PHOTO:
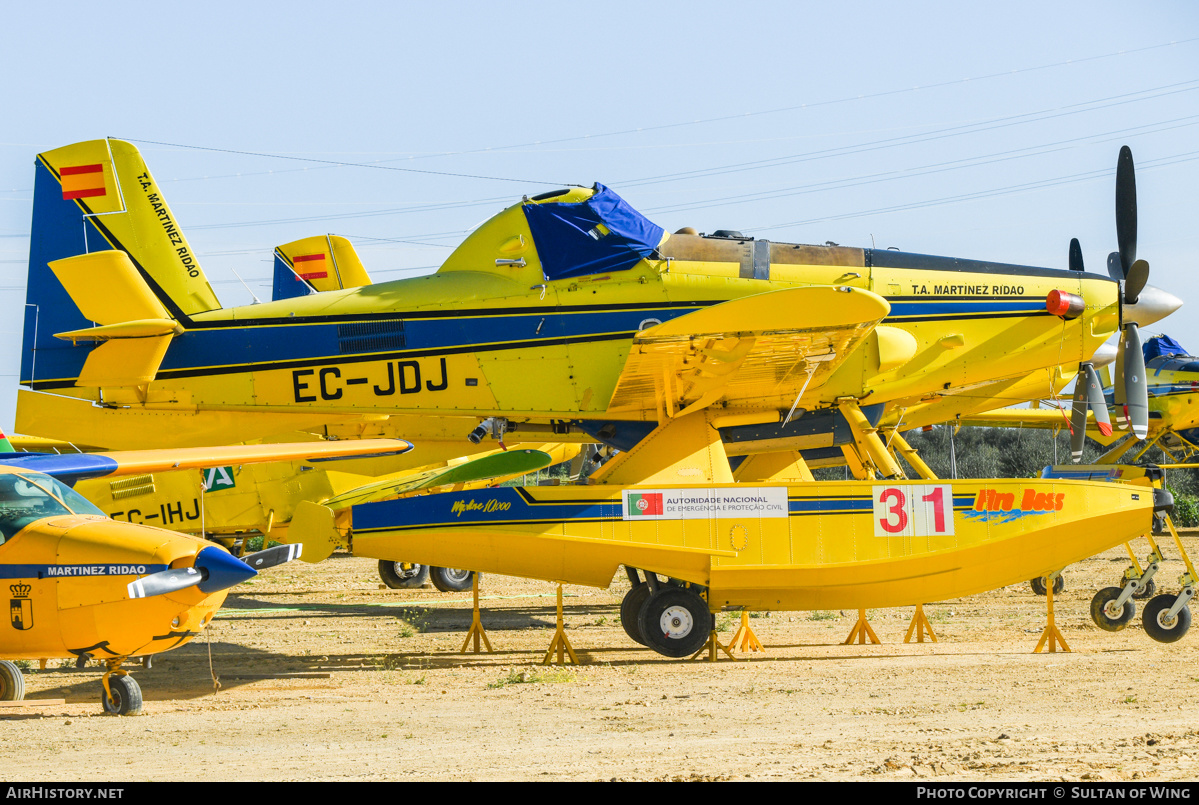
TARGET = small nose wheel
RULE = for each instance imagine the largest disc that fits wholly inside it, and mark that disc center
(121, 695)
(1160, 624)
(1106, 612)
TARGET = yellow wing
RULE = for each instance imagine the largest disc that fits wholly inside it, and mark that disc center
(763, 349)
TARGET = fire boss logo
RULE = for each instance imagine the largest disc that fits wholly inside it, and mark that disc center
(20, 608)
(1031, 502)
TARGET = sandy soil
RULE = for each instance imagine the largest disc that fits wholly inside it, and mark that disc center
(326, 676)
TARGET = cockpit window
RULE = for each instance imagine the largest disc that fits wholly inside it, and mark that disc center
(24, 499)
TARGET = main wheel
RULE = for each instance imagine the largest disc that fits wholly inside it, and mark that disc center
(403, 575)
(126, 696)
(675, 622)
(630, 611)
(1148, 591)
(1156, 624)
(1101, 612)
(452, 579)
(12, 682)
(1038, 585)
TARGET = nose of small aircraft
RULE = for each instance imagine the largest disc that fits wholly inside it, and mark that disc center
(223, 571)
(1152, 305)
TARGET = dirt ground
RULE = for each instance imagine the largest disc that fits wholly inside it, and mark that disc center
(326, 676)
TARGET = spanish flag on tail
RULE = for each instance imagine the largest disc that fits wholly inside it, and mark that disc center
(82, 181)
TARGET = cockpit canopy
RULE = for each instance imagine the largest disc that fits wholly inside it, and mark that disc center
(25, 498)
(593, 236)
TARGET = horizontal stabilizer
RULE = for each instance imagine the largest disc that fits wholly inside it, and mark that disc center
(497, 465)
(136, 327)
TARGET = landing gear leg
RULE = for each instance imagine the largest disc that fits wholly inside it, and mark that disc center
(1167, 617)
(122, 696)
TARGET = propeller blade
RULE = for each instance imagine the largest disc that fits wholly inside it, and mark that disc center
(1114, 269)
(1078, 414)
(1119, 398)
(1136, 391)
(1126, 209)
(165, 581)
(1138, 275)
(1076, 255)
(271, 557)
(1096, 401)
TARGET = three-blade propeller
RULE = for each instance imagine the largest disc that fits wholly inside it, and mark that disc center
(1130, 391)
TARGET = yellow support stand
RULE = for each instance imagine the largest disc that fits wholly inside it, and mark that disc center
(920, 626)
(749, 640)
(476, 625)
(1051, 637)
(561, 643)
(710, 648)
(861, 631)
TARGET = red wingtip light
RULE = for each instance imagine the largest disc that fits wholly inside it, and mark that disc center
(1065, 304)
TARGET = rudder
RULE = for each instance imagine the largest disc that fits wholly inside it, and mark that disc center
(95, 196)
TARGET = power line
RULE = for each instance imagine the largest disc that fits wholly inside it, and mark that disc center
(339, 164)
(1000, 191)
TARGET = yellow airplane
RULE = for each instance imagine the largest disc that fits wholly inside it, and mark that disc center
(83, 586)
(813, 545)
(568, 313)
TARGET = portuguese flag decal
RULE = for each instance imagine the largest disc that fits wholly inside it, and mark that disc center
(649, 503)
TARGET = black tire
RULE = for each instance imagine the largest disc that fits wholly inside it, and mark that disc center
(452, 579)
(1155, 611)
(126, 695)
(1100, 615)
(630, 611)
(1038, 585)
(12, 682)
(675, 622)
(403, 575)
(1149, 591)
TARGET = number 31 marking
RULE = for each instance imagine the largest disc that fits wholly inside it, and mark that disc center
(917, 510)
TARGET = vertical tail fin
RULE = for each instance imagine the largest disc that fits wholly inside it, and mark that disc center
(95, 196)
(312, 265)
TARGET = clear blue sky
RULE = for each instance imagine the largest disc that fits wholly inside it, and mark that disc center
(977, 130)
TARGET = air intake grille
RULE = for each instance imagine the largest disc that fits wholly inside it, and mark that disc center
(132, 486)
(373, 336)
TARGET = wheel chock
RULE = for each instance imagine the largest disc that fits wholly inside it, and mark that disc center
(1051, 637)
(476, 626)
(744, 633)
(561, 643)
(861, 632)
(920, 627)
